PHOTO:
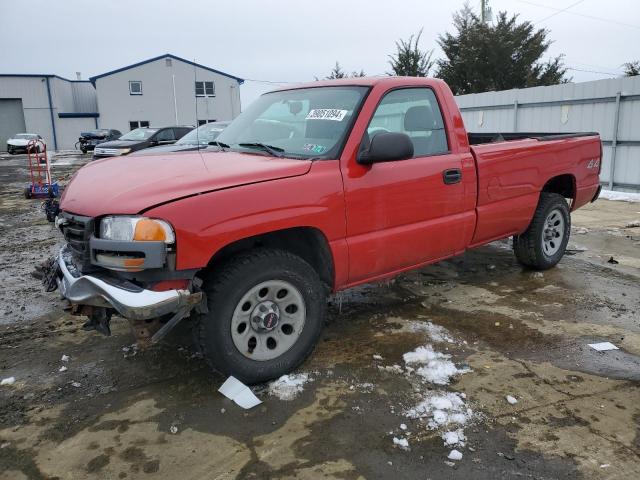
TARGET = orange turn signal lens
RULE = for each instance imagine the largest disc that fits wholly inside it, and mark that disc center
(148, 230)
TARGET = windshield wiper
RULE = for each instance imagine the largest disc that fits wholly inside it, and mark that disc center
(218, 144)
(275, 151)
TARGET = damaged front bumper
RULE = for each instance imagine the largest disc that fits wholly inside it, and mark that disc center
(126, 298)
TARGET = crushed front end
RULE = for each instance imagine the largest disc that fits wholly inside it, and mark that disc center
(122, 265)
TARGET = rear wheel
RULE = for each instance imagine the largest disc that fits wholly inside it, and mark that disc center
(543, 244)
(267, 308)
(27, 192)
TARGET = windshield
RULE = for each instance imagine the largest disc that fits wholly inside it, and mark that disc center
(304, 123)
(139, 134)
(203, 134)
(26, 136)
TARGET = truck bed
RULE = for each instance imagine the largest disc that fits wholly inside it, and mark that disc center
(494, 137)
(512, 171)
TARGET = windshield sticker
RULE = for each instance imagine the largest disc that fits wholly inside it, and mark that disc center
(312, 147)
(327, 114)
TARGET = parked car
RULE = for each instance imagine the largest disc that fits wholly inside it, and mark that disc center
(198, 138)
(89, 140)
(139, 139)
(19, 142)
(317, 188)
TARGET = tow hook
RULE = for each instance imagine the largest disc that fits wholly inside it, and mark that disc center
(148, 332)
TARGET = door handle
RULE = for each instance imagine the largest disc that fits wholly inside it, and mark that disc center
(451, 176)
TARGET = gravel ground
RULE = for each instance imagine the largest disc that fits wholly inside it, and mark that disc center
(489, 329)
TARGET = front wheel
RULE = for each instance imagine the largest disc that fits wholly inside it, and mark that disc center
(543, 244)
(267, 308)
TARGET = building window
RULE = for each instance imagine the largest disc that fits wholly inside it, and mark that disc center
(138, 123)
(205, 89)
(203, 122)
(135, 87)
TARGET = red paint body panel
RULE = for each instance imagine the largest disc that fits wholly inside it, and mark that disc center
(378, 220)
(129, 185)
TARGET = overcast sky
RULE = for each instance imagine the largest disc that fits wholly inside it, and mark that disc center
(287, 40)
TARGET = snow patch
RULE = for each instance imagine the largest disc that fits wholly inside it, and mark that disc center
(455, 455)
(435, 332)
(444, 409)
(8, 381)
(620, 196)
(436, 367)
(403, 443)
(287, 387)
(512, 400)
(454, 438)
(65, 358)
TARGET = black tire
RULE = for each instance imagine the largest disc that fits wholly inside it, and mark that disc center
(27, 192)
(10, 151)
(226, 285)
(529, 246)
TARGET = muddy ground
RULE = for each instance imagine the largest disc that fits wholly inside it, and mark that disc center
(121, 413)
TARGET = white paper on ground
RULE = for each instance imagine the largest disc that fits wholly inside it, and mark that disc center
(237, 391)
(603, 346)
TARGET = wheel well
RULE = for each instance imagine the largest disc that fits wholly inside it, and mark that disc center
(309, 243)
(564, 185)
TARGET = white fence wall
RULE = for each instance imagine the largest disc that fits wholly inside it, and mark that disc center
(610, 107)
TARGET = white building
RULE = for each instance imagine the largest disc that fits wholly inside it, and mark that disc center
(162, 91)
(56, 108)
(165, 90)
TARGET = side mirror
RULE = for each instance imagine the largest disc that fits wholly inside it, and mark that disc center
(387, 147)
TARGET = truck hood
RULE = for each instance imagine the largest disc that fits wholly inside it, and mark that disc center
(17, 142)
(129, 185)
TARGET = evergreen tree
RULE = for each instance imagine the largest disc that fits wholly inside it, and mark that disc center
(508, 54)
(631, 68)
(409, 60)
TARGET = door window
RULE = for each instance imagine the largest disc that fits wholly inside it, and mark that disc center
(165, 135)
(414, 111)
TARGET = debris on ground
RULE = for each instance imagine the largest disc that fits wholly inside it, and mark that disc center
(8, 381)
(581, 231)
(635, 224)
(237, 391)
(512, 400)
(173, 429)
(403, 443)
(377, 357)
(455, 455)
(65, 358)
(603, 346)
(287, 387)
(613, 261)
(62, 369)
(436, 367)
(403, 426)
(76, 384)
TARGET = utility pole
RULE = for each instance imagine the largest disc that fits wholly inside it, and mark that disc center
(485, 11)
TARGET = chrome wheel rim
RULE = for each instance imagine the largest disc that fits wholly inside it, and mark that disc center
(553, 233)
(268, 320)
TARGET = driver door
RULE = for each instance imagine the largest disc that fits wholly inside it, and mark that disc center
(404, 213)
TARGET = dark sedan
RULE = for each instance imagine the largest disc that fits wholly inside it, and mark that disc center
(139, 139)
(196, 139)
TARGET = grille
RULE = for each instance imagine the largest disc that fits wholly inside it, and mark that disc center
(77, 231)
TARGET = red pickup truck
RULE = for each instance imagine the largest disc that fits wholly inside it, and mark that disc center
(313, 189)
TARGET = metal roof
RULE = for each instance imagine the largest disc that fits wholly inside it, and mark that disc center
(160, 57)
